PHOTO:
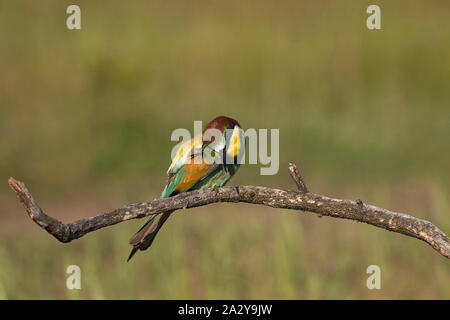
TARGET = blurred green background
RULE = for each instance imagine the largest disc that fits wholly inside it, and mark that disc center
(86, 118)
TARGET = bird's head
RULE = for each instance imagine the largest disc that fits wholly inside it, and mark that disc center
(232, 142)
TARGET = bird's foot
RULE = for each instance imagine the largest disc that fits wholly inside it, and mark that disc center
(224, 168)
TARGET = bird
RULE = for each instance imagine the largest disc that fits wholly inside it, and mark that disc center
(208, 160)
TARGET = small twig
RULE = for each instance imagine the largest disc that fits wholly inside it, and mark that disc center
(276, 198)
(297, 178)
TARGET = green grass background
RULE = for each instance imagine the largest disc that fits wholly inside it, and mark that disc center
(86, 118)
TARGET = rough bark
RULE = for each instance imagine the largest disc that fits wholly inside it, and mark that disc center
(301, 200)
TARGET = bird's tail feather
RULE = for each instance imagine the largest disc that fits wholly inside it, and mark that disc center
(143, 239)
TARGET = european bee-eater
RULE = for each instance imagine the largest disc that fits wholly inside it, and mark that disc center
(220, 159)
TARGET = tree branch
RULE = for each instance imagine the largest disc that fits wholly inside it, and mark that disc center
(296, 200)
(297, 178)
